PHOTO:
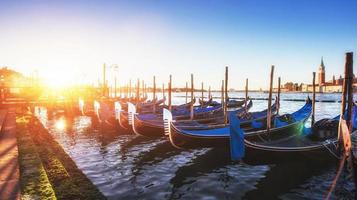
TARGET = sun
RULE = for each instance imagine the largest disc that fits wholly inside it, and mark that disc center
(58, 80)
(60, 74)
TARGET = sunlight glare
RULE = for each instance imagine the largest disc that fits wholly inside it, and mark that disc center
(60, 124)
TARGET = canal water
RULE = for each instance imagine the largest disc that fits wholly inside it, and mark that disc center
(126, 166)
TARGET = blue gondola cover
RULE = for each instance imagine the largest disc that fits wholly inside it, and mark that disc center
(353, 117)
(236, 138)
(278, 123)
(257, 124)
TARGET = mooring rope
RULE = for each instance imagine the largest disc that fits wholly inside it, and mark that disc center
(326, 143)
(334, 182)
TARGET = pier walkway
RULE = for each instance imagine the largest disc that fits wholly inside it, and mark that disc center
(9, 166)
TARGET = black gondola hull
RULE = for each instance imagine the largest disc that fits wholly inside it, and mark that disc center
(256, 155)
(183, 140)
(124, 121)
(147, 129)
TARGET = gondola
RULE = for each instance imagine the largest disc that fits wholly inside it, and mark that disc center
(103, 113)
(205, 103)
(125, 121)
(104, 110)
(84, 108)
(144, 106)
(123, 116)
(234, 103)
(318, 144)
(219, 136)
(218, 121)
(152, 125)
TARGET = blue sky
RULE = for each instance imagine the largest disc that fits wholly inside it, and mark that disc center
(68, 41)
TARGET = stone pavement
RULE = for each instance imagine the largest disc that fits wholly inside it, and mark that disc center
(9, 166)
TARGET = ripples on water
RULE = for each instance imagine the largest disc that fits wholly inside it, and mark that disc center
(133, 167)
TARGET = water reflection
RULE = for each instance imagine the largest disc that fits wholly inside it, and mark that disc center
(282, 178)
(134, 167)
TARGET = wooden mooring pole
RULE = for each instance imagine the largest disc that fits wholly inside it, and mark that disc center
(313, 98)
(104, 80)
(226, 96)
(154, 95)
(154, 90)
(130, 88)
(351, 159)
(146, 91)
(209, 93)
(222, 94)
(278, 100)
(246, 95)
(347, 105)
(120, 91)
(270, 97)
(344, 144)
(169, 92)
(142, 88)
(186, 92)
(202, 97)
(163, 92)
(192, 97)
(115, 87)
(138, 93)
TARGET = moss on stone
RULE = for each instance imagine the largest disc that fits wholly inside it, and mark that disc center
(33, 178)
(46, 171)
(68, 181)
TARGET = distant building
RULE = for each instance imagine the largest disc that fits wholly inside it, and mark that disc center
(10, 78)
(334, 85)
(289, 87)
(14, 84)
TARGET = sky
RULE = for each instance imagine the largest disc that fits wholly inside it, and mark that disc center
(67, 42)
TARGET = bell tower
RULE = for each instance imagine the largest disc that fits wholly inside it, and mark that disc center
(321, 74)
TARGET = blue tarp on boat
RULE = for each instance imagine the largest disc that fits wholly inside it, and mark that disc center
(300, 114)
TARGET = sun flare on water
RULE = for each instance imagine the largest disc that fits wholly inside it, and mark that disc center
(60, 124)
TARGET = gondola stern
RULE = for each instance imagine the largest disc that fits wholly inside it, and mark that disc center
(117, 109)
(96, 105)
(135, 124)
